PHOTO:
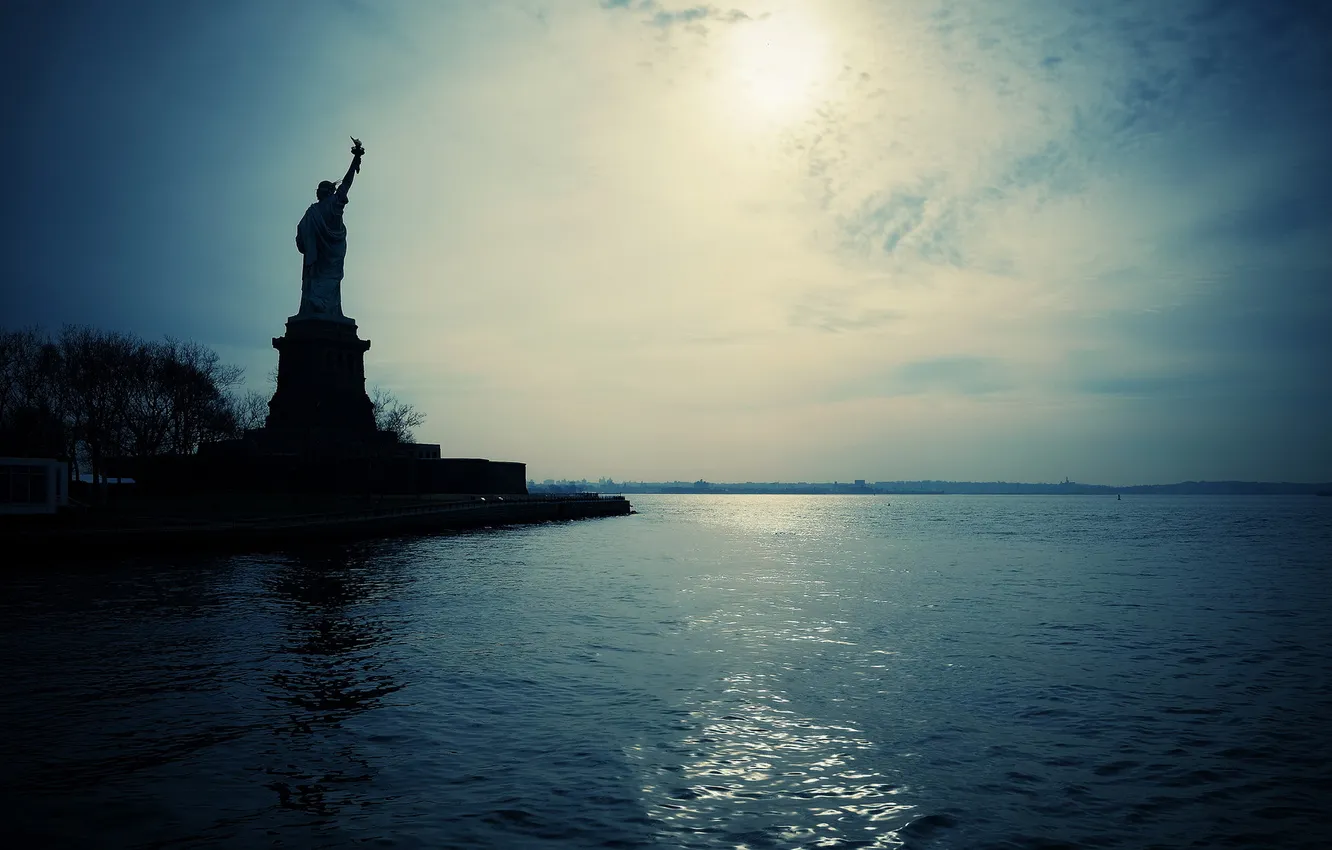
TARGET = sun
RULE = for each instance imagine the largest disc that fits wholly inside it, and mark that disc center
(777, 63)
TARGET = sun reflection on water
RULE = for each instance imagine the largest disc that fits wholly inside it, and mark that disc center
(775, 750)
(751, 767)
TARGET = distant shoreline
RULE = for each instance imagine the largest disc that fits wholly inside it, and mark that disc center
(942, 488)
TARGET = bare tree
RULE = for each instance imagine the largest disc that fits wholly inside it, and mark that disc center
(201, 409)
(98, 376)
(150, 408)
(395, 416)
(92, 395)
(250, 410)
(31, 423)
(15, 356)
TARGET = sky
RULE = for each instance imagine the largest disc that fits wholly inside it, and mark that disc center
(800, 240)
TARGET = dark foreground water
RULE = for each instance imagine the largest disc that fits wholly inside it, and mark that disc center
(756, 672)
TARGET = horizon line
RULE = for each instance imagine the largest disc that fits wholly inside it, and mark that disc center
(867, 483)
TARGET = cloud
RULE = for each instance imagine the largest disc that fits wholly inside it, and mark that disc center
(882, 223)
(657, 15)
(833, 321)
(961, 375)
(972, 378)
(1153, 386)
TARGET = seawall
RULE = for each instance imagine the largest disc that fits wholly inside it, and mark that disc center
(32, 543)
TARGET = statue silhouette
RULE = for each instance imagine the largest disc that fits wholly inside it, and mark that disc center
(321, 237)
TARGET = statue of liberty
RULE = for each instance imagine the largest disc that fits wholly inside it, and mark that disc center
(322, 238)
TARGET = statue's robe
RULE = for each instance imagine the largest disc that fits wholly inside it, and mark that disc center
(322, 238)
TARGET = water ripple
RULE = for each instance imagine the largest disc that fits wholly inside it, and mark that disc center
(773, 672)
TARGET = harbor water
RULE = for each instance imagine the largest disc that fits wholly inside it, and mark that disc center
(713, 672)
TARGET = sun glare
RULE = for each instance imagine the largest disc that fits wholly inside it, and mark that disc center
(778, 63)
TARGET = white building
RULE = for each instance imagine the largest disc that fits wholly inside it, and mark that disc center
(33, 485)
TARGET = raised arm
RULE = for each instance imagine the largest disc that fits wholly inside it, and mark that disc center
(357, 152)
(347, 180)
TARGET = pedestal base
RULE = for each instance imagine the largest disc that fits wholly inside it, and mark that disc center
(321, 383)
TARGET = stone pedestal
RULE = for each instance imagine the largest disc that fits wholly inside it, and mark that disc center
(320, 436)
(321, 394)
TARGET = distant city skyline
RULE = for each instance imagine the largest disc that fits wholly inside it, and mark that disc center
(931, 486)
(810, 239)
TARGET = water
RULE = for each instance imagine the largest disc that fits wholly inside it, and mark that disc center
(718, 671)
